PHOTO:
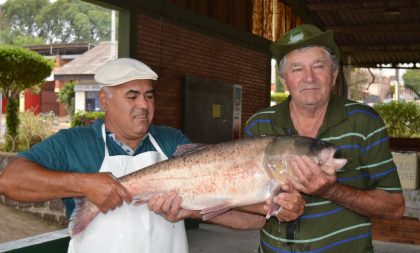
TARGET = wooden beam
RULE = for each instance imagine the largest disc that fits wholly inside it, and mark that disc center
(300, 8)
(406, 27)
(363, 5)
(351, 50)
(382, 47)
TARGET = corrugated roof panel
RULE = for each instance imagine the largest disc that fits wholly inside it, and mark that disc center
(370, 32)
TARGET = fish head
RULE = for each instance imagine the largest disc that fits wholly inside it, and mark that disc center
(282, 148)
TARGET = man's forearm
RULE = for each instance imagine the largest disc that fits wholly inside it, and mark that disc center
(36, 184)
(239, 220)
(371, 203)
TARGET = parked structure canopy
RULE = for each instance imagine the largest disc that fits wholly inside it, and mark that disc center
(368, 32)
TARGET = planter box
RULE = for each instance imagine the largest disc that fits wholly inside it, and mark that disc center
(408, 169)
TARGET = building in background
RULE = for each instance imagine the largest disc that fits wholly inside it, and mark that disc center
(46, 100)
(82, 70)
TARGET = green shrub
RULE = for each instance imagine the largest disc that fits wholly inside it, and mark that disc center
(278, 97)
(32, 129)
(12, 122)
(85, 118)
(66, 96)
(401, 118)
(20, 68)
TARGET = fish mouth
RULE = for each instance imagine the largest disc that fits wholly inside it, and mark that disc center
(322, 151)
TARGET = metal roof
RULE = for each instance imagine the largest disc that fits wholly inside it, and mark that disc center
(370, 32)
(61, 48)
(85, 66)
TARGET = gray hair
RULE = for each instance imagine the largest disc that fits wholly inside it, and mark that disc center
(283, 61)
(107, 91)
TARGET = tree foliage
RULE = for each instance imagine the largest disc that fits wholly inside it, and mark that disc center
(66, 96)
(75, 21)
(19, 16)
(62, 21)
(3, 25)
(20, 69)
(412, 80)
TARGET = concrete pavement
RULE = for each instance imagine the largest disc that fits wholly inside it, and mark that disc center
(205, 239)
(210, 239)
(16, 224)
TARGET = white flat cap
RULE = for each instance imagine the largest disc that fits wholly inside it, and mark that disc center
(123, 70)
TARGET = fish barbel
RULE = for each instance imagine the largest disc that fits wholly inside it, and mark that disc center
(218, 177)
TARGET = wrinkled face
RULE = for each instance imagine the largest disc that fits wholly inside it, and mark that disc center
(309, 76)
(129, 109)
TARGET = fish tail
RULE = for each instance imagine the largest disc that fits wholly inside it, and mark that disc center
(84, 212)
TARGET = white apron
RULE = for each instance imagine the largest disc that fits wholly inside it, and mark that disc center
(131, 228)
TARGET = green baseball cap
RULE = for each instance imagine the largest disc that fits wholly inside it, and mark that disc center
(303, 36)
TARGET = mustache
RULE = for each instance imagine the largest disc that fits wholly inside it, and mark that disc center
(304, 86)
(140, 112)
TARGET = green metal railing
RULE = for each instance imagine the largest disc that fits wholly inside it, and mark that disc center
(56, 242)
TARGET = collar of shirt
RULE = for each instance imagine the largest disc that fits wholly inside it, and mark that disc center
(336, 113)
(97, 126)
(127, 149)
(124, 147)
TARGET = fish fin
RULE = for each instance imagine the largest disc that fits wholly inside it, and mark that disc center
(140, 202)
(213, 214)
(213, 211)
(274, 208)
(84, 212)
(144, 198)
(273, 211)
(141, 199)
(187, 149)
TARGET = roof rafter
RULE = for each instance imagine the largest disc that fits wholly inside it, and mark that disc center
(404, 27)
(362, 5)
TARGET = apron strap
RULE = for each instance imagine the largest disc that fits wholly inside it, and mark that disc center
(103, 136)
(157, 147)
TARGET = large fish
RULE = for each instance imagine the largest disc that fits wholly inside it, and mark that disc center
(216, 178)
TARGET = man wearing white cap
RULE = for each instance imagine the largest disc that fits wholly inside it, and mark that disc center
(66, 165)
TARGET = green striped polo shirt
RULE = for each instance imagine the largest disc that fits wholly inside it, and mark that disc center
(81, 149)
(360, 136)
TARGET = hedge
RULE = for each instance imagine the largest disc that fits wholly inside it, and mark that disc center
(401, 118)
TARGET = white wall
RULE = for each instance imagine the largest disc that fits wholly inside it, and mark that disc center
(79, 101)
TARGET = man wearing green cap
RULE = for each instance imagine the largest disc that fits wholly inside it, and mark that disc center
(336, 216)
(338, 207)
